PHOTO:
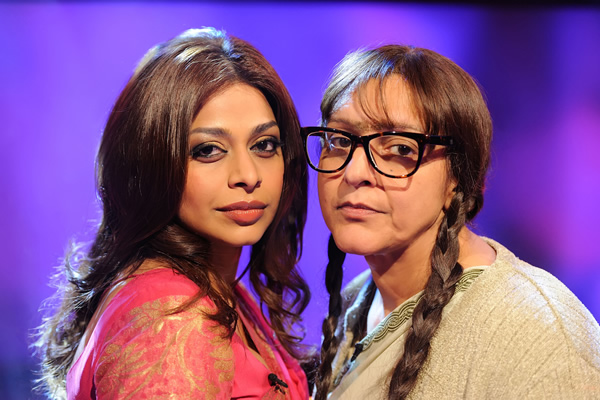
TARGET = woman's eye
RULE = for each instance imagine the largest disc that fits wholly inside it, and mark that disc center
(207, 151)
(403, 150)
(395, 146)
(266, 146)
(340, 142)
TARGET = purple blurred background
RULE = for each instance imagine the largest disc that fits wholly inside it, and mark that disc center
(63, 64)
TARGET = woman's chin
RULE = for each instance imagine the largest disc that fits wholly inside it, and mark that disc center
(353, 246)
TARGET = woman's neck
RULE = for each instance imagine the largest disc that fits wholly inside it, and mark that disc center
(400, 275)
(225, 258)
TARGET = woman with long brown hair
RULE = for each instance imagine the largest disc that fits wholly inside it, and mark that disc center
(442, 313)
(201, 155)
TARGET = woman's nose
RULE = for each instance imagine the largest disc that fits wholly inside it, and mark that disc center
(244, 172)
(359, 171)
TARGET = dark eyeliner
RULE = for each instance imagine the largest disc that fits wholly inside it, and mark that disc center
(196, 151)
(275, 142)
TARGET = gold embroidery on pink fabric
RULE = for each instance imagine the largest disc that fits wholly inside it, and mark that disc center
(162, 355)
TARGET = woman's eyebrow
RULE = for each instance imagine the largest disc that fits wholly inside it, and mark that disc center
(375, 126)
(211, 131)
(263, 127)
(396, 126)
(345, 122)
(222, 132)
(350, 126)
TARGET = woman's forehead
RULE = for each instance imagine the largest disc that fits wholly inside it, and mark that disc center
(379, 105)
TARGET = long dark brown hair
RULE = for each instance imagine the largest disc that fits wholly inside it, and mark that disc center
(141, 174)
(449, 102)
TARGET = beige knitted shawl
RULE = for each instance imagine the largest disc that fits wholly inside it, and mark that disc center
(511, 331)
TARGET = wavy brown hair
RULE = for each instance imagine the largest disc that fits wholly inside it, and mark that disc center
(449, 102)
(141, 174)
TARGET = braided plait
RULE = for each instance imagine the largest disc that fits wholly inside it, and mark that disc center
(445, 273)
(333, 282)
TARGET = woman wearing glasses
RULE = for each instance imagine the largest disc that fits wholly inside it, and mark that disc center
(442, 313)
(201, 155)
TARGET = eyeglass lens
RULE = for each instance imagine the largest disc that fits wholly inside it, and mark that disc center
(394, 155)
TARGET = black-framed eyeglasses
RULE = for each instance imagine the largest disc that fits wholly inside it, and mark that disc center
(393, 154)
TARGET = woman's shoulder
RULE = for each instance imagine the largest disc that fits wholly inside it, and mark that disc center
(521, 328)
(150, 336)
(154, 297)
(515, 299)
(157, 282)
(161, 284)
(159, 294)
(515, 281)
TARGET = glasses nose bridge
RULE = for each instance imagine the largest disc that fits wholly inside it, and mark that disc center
(364, 141)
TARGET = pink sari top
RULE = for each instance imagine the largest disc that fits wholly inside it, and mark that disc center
(139, 350)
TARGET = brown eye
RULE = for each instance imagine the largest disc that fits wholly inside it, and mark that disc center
(267, 146)
(339, 142)
(395, 146)
(403, 150)
(207, 152)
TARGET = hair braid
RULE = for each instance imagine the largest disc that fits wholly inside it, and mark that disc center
(333, 282)
(445, 272)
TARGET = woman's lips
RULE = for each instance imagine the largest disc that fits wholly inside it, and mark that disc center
(354, 211)
(244, 213)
